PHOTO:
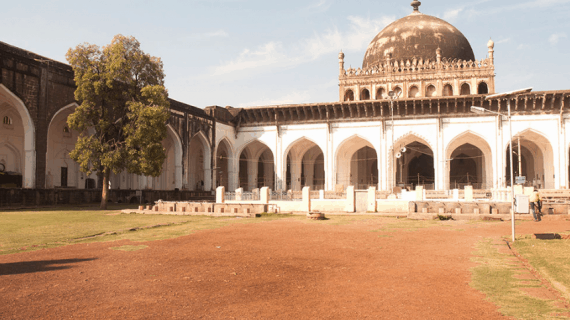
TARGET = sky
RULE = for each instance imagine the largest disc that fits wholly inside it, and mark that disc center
(251, 53)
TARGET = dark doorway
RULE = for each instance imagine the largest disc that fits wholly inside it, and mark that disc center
(64, 177)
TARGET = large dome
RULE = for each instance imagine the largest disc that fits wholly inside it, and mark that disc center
(418, 36)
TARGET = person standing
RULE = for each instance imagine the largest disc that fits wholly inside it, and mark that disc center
(535, 202)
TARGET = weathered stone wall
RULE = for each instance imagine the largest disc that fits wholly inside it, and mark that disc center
(41, 197)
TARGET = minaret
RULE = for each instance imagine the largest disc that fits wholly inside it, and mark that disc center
(491, 46)
(341, 63)
(438, 55)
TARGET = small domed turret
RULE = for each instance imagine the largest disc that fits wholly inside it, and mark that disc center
(491, 44)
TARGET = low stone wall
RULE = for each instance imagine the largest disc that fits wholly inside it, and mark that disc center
(204, 208)
(487, 207)
(40, 197)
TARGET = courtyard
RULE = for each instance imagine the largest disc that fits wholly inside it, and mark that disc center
(346, 267)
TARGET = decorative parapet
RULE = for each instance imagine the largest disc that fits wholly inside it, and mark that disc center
(418, 66)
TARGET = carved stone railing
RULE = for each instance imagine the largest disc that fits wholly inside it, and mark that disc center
(417, 66)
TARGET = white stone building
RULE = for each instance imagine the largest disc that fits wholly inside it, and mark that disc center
(431, 139)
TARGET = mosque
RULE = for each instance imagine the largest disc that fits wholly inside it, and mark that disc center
(402, 119)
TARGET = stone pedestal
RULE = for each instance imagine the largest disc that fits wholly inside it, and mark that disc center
(220, 194)
(264, 195)
(468, 193)
(350, 200)
(419, 193)
(371, 199)
(307, 199)
(239, 194)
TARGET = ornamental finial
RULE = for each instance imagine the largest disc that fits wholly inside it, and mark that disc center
(416, 4)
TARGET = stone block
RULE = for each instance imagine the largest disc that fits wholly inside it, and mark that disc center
(468, 193)
(141, 208)
(307, 199)
(441, 210)
(350, 200)
(419, 193)
(371, 199)
(494, 211)
(264, 195)
(425, 210)
(239, 194)
(457, 210)
(220, 194)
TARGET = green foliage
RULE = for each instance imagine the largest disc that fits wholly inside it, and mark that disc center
(550, 258)
(124, 108)
(496, 276)
(443, 217)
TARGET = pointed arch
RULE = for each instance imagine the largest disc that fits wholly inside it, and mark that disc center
(199, 175)
(416, 165)
(409, 137)
(300, 164)
(29, 170)
(223, 163)
(537, 155)
(256, 166)
(356, 163)
(57, 142)
(469, 153)
(177, 156)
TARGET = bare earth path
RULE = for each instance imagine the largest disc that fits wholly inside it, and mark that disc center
(281, 269)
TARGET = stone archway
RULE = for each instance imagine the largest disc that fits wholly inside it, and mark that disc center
(356, 163)
(537, 160)
(223, 161)
(199, 164)
(469, 162)
(256, 166)
(414, 163)
(23, 131)
(303, 167)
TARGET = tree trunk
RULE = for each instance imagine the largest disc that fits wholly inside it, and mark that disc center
(105, 191)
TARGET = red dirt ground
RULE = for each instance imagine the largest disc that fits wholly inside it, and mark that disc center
(280, 269)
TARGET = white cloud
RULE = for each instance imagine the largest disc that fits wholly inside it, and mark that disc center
(274, 54)
(211, 34)
(553, 39)
(320, 5)
(451, 15)
(295, 97)
(265, 55)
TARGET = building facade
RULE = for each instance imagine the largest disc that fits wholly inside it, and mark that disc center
(424, 134)
(37, 96)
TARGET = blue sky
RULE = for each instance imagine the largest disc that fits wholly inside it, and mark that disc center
(248, 52)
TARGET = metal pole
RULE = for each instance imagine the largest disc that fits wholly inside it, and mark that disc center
(393, 148)
(520, 156)
(511, 161)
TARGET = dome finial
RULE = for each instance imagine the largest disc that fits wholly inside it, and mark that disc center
(416, 4)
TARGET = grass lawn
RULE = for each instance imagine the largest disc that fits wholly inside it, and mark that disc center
(550, 258)
(32, 230)
(502, 278)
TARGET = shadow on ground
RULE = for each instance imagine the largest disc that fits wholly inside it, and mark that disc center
(38, 266)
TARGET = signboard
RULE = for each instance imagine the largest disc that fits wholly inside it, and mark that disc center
(520, 180)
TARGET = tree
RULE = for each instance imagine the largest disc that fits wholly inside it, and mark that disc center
(123, 112)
